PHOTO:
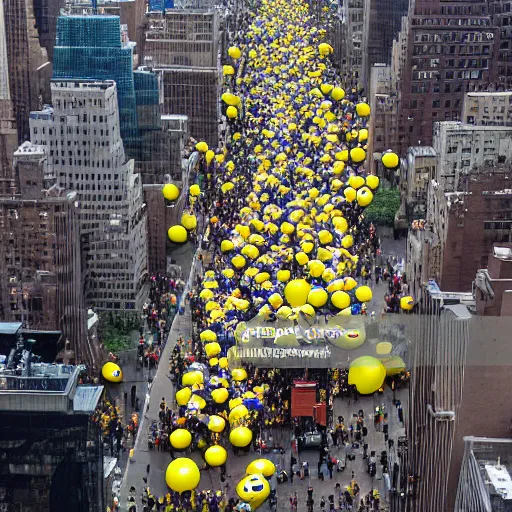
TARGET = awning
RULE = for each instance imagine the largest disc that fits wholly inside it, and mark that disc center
(86, 398)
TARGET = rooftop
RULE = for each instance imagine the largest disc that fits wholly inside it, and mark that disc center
(501, 93)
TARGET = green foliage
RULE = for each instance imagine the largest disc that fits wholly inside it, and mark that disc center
(384, 206)
(115, 330)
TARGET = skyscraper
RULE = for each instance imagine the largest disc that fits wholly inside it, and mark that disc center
(27, 62)
(81, 134)
(8, 133)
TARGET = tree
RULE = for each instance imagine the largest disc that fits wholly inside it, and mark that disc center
(384, 206)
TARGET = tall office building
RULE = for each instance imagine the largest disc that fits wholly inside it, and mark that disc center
(8, 133)
(40, 262)
(381, 23)
(450, 49)
(98, 48)
(28, 68)
(501, 13)
(81, 135)
(182, 47)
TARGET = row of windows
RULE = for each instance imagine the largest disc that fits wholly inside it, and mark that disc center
(413, 104)
(451, 63)
(452, 22)
(455, 37)
(474, 74)
(80, 103)
(438, 49)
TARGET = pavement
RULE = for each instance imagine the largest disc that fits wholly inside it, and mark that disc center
(151, 464)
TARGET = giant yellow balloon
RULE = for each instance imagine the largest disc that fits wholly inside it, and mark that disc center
(188, 221)
(191, 378)
(216, 423)
(264, 467)
(177, 234)
(112, 372)
(220, 395)
(212, 349)
(240, 437)
(253, 489)
(180, 439)
(340, 299)
(216, 455)
(317, 297)
(238, 374)
(183, 396)
(296, 292)
(239, 412)
(171, 192)
(407, 303)
(182, 475)
(364, 294)
(390, 160)
(367, 373)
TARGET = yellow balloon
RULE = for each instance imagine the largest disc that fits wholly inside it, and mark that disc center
(182, 475)
(189, 222)
(337, 94)
(296, 292)
(356, 181)
(357, 155)
(171, 192)
(227, 245)
(234, 52)
(216, 455)
(364, 294)
(212, 349)
(210, 155)
(194, 190)
(350, 194)
(325, 237)
(208, 335)
(112, 372)
(302, 258)
(364, 196)
(240, 437)
(367, 374)
(213, 361)
(183, 396)
(287, 228)
(223, 363)
(372, 181)
(253, 489)
(180, 439)
(407, 303)
(316, 268)
(350, 283)
(275, 300)
(390, 160)
(308, 310)
(350, 338)
(251, 251)
(283, 275)
(239, 412)
(216, 423)
(347, 241)
(202, 147)
(238, 374)
(363, 109)
(263, 467)
(228, 70)
(231, 112)
(340, 299)
(235, 402)
(238, 261)
(177, 234)
(317, 297)
(284, 312)
(191, 378)
(220, 395)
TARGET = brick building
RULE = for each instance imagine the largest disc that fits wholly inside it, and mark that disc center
(40, 262)
(450, 49)
(461, 229)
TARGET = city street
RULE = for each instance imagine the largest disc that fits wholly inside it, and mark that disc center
(162, 387)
